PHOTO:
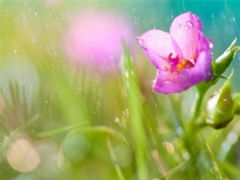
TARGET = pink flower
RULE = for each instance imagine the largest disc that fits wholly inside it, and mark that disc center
(95, 38)
(182, 57)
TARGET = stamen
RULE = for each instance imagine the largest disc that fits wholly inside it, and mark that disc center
(176, 64)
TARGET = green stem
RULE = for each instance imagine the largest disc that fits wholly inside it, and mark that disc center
(191, 133)
(197, 107)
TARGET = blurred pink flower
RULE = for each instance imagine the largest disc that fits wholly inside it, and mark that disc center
(182, 57)
(95, 38)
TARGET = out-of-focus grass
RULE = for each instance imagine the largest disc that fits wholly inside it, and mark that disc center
(136, 124)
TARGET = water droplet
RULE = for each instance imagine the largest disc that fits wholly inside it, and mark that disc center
(189, 24)
(233, 19)
(117, 120)
(140, 40)
(210, 41)
(169, 147)
(179, 25)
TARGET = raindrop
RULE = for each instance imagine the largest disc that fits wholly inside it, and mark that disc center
(117, 120)
(210, 41)
(140, 40)
(179, 25)
(233, 19)
(169, 147)
(185, 155)
(189, 24)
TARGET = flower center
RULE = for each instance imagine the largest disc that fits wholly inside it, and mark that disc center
(177, 64)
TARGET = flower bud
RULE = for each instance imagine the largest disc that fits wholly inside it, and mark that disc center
(221, 107)
(222, 62)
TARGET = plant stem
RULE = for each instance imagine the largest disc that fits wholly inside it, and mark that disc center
(197, 107)
(191, 133)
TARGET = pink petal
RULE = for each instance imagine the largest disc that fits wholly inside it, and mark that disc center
(157, 45)
(204, 59)
(167, 83)
(185, 30)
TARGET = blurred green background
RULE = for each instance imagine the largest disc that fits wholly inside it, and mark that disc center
(62, 122)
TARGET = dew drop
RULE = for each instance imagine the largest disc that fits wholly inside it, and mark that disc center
(210, 42)
(179, 25)
(117, 120)
(189, 24)
(140, 40)
(233, 19)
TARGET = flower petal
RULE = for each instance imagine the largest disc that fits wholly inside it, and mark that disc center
(202, 69)
(157, 45)
(168, 83)
(185, 30)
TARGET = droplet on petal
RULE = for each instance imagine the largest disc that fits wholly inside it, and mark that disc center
(190, 24)
(210, 41)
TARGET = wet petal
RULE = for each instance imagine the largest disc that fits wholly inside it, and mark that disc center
(157, 45)
(168, 83)
(204, 59)
(185, 30)
(202, 71)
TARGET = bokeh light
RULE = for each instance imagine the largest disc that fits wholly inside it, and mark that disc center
(22, 156)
